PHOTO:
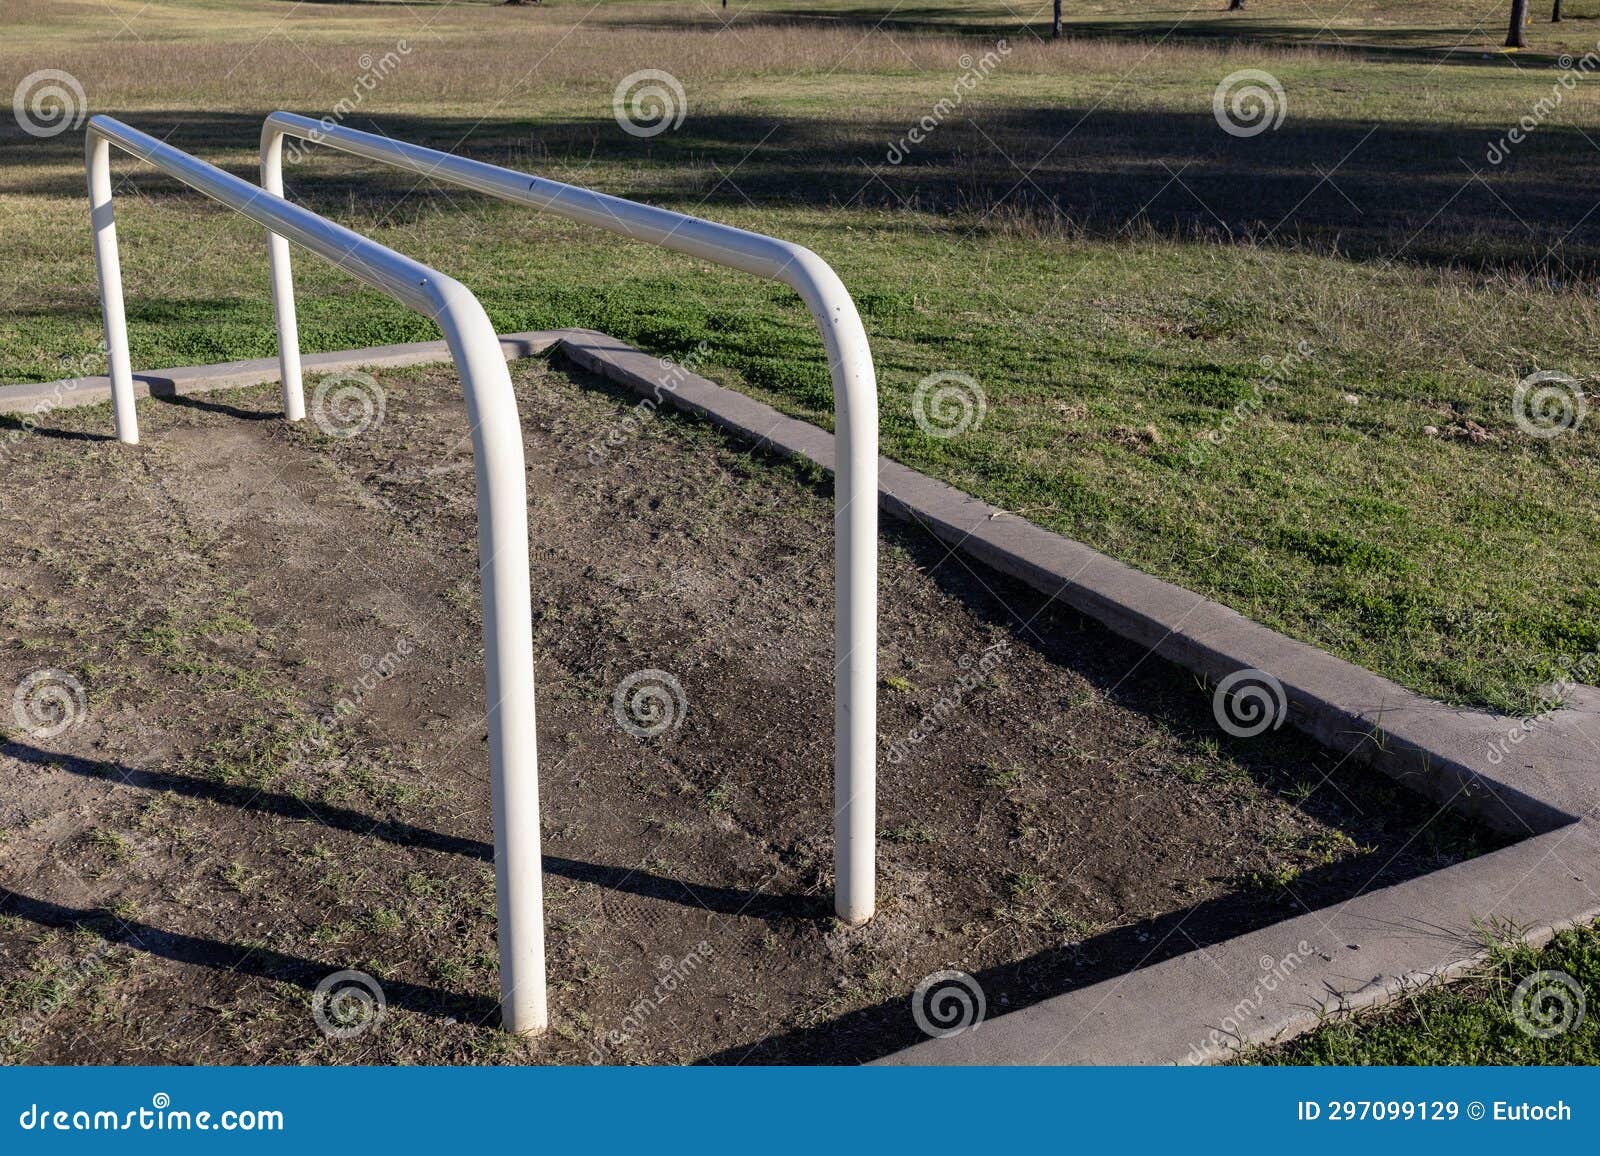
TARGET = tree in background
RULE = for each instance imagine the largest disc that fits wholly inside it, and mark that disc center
(1515, 36)
(1555, 13)
(1055, 24)
(1235, 5)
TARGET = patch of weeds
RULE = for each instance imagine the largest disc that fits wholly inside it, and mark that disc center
(1299, 791)
(1277, 877)
(1069, 926)
(113, 843)
(717, 801)
(1023, 885)
(463, 597)
(332, 933)
(384, 921)
(454, 973)
(1000, 778)
(1340, 549)
(425, 886)
(239, 877)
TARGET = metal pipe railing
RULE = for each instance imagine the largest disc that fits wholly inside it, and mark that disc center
(855, 401)
(502, 499)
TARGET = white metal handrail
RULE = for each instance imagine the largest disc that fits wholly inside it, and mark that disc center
(855, 395)
(502, 503)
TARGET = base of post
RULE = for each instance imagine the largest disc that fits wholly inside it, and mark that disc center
(525, 1031)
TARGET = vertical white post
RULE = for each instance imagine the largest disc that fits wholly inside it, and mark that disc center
(856, 410)
(502, 509)
(507, 658)
(855, 495)
(855, 771)
(102, 218)
(294, 396)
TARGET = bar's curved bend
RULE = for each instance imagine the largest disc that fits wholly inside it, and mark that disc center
(502, 503)
(855, 395)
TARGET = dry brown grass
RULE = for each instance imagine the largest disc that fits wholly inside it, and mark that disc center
(253, 55)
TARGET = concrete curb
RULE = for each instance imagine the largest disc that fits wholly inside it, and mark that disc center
(1438, 750)
(196, 379)
(1528, 777)
(1282, 981)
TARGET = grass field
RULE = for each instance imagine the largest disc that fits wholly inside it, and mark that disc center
(1079, 235)
(1280, 369)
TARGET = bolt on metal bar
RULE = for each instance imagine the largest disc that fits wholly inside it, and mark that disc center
(502, 499)
(855, 395)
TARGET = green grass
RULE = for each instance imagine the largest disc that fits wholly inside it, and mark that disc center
(1470, 1022)
(1116, 306)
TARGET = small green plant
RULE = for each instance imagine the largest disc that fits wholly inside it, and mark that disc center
(1000, 778)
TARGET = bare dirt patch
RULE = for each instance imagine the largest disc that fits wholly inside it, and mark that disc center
(217, 833)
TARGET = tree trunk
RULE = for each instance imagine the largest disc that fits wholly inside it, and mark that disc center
(1515, 36)
(1235, 5)
(1055, 23)
(1555, 13)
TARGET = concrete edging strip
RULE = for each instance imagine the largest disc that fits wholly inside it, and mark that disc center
(1534, 777)
(196, 379)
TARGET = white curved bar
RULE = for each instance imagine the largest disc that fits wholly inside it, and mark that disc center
(855, 395)
(502, 506)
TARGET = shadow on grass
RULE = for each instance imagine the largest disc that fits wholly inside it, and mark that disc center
(1387, 190)
(1222, 29)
